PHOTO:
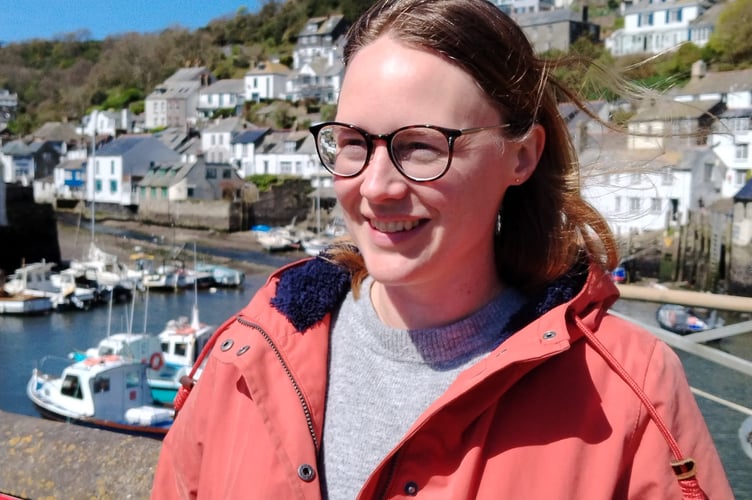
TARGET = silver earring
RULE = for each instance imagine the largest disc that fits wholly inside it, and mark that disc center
(498, 222)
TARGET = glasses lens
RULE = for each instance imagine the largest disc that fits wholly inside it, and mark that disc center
(343, 150)
(421, 152)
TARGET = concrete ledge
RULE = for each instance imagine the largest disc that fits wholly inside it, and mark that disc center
(51, 460)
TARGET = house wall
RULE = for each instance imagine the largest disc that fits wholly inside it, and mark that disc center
(220, 215)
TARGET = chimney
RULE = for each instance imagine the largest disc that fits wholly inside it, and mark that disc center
(699, 69)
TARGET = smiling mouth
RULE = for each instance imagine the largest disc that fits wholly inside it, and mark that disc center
(395, 226)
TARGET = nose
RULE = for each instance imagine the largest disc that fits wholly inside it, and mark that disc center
(381, 179)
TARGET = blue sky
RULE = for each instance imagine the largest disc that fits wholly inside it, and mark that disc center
(26, 19)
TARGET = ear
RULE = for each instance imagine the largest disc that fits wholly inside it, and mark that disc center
(528, 151)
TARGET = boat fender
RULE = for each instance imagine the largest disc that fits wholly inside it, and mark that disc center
(156, 361)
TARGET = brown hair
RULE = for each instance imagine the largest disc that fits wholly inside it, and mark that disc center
(546, 222)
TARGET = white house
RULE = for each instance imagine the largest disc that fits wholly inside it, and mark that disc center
(317, 67)
(227, 94)
(17, 160)
(290, 153)
(110, 123)
(216, 139)
(120, 165)
(244, 147)
(731, 134)
(266, 81)
(655, 26)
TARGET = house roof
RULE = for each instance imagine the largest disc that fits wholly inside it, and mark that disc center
(274, 143)
(673, 110)
(269, 68)
(56, 131)
(250, 136)
(231, 124)
(717, 82)
(745, 193)
(165, 174)
(225, 86)
(16, 148)
(77, 164)
(640, 7)
(321, 25)
(187, 74)
(122, 145)
(548, 17)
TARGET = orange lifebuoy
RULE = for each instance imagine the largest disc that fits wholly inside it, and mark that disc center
(156, 361)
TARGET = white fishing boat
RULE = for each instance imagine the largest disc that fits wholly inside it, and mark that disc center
(39, 280)
(105, 272)
(181, 341)
(108, 392)
(221, 275)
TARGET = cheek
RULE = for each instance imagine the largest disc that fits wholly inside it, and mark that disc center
(347, 192)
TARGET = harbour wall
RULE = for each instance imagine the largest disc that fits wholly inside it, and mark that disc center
(53, 460)
(31, 233)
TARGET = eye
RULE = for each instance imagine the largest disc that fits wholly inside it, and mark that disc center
(422, 145)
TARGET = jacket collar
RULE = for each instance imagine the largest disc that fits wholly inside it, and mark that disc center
(308, 290)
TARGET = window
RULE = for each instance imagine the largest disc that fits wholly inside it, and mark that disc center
(98, 186)
(132, 379)
(617, 204)
(71, 387)
(741, 152)
(112, 167)
(655, 205)
(211, 173)
(634, 204)
(101, 384)
(164, 193)
(191, 192)
(740, 177)
(96, 167)
(226, 173)
(180, 349)
(285, 167)
(667, 177)
(113, 186)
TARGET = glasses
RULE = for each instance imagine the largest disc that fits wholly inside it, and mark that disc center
(420, 152)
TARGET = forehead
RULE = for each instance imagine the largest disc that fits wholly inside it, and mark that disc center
(390, 84)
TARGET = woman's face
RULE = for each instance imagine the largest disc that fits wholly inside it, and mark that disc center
(436, 233)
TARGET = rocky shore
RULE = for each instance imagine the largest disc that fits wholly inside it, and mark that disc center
(74, 240)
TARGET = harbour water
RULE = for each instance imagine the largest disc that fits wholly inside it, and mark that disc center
(24, 341)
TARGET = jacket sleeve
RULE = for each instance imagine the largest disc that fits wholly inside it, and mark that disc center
(666, 385)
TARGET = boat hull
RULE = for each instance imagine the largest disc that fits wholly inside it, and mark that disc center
(154, 432)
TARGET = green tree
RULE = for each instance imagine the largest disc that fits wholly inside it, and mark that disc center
(732, 37)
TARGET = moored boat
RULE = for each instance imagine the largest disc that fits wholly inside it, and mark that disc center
(24, 304)
(107, 392)
(685, 320)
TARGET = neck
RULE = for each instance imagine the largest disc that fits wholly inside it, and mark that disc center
(412, 307)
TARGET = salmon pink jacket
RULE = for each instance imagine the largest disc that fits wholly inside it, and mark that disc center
(546, 415)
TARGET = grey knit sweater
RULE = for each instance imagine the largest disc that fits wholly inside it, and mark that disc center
(381, 379)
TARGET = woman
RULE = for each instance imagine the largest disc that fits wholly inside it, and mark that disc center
(459, 346)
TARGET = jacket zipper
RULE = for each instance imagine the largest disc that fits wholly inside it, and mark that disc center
(296, 387)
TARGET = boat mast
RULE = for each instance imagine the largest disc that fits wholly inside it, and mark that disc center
(93, 168)
(195, 323)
